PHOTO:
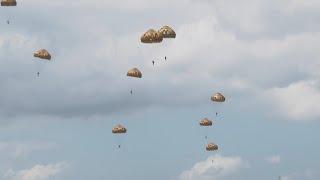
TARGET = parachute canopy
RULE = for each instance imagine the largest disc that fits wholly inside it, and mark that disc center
(212, 147)
(167, 32)
(8, 2)
(151, 36)
(119, 129)
(218, 97)
(134, 73)
(42, 54)
(205, 122)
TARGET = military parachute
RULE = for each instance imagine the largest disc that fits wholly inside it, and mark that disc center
(134, 73)
(119, 129)
(151, 36)
(42, 54)
(218, 97)
(167, 32)
(212, 147)
(205, 122)
(8, 3)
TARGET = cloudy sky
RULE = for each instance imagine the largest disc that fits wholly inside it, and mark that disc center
(263, 55)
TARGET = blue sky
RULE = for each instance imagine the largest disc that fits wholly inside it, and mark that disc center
(262, 55)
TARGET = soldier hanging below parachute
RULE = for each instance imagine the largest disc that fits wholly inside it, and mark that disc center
(206, 122)
(42, 54)
(8, 3)
(136, 73)
(219, 98)
(118, 130)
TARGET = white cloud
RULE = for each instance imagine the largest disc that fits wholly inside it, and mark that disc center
(299, 101)
(38, 172)
(274, 159)
(215, 167)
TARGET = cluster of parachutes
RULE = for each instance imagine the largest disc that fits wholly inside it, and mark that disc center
(151, 36)
(206, 123)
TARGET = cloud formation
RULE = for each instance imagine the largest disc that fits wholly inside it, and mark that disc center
(215, 167)
(298, 101)
(38, 172)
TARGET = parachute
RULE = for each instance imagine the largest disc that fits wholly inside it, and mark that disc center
(167, 32)
(151, 36)
(119, 132)
(119, 129)
(205, 122)
(42, 54)
(134, 73)
(212, 147)
(8, 3)
(218, 97)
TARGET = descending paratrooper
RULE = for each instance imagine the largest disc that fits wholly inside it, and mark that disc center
(119, 129)
(219, 98)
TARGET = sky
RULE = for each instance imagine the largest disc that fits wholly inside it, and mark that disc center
(263, 55)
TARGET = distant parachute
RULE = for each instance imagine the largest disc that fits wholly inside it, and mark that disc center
(212, 147)
(42, 54)
(151, 36)
(218, 97)
(119, 129)
(167, 32)
(205, 122)
(134, 73)
(8, 3)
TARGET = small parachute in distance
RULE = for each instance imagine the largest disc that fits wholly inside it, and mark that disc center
(205, 122)
(212, 147)
(151, 36)
(119, 129)
(167, 32)
(42, 54)
(218, 97)
(8, 3)
(134, 73)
